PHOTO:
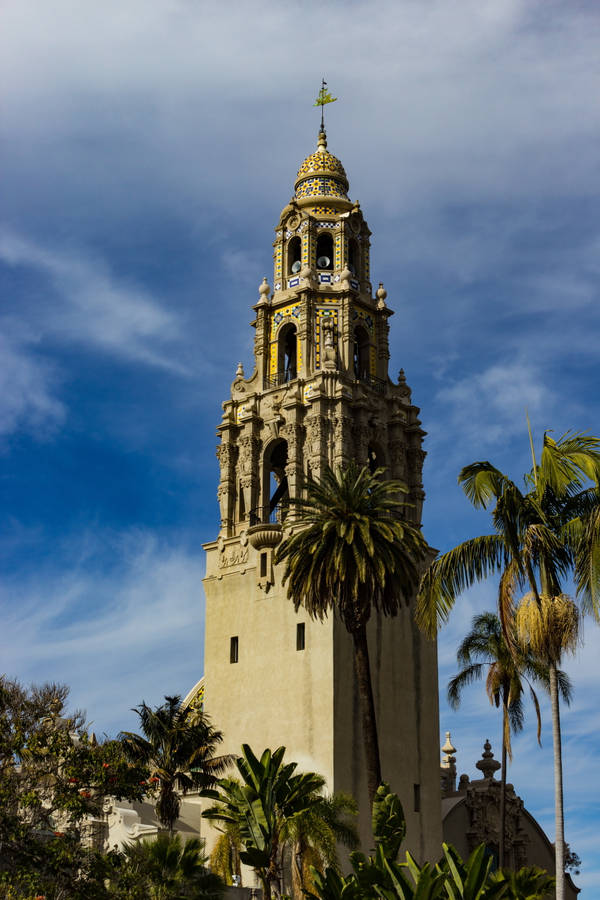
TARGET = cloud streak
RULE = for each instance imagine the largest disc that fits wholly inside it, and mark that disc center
(96, 308)
(117, 632)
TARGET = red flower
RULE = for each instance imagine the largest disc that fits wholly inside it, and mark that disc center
(73, 780)
(85, 794)
(142, 782)
(105, 765)
(153, 780)
(59, 834)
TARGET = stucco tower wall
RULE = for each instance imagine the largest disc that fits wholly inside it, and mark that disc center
(404, 675)
(275, 694)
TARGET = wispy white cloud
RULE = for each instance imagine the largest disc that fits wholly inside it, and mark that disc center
(490, 405)
(95, 308)
(28, 386)
(117, 632)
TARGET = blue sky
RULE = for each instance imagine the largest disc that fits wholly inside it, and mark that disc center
(147, 152)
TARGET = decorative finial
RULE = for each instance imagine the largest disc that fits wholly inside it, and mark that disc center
(448, 749)
(448, 766)
(401, 377)
(323, 97)
(381, 295)
(239, 372)
(264, 288)
(487, 764)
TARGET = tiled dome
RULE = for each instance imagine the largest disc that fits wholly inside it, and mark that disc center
(321, 174)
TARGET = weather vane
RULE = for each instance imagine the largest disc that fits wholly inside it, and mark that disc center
(323, 98)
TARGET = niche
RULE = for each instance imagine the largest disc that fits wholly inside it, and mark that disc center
(287, 351)
(360, 353)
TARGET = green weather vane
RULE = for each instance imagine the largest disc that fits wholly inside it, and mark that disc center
(323, 98)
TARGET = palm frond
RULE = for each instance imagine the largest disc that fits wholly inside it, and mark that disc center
(454, 572)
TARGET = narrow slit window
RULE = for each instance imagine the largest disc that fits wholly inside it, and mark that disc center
(417, 797)
(233, 649)
(263, 565)
(300, 636)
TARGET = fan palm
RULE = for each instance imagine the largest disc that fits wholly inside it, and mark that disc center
(507, 669)
(178, 745)
(261, 806)
(166, 868)
(352, 553)
(542, 535)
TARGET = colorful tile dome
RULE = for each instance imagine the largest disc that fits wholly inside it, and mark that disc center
(321, 174)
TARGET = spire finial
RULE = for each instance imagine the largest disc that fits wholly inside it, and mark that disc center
(323, 97)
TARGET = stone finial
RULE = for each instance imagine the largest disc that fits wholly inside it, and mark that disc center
(239, 372)
(345, 276)
(487, 764)
(381, 295)
(322, 142)
(264, 289)
(449, 765)
(463, 782)
(448, 750)
(401, 377)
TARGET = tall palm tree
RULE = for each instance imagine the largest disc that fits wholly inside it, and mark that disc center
(507, 669)
(178, 745)
(352, 553)
(542, 535)
(261, 806)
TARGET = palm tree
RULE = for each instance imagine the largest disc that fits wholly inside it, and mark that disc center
(313, 837)
(165, 868)
(507, 668)
(261, 807)
(542, 535)
(178, 745)
(353, 553)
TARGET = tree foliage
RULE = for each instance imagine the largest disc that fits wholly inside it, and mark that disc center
(162, 869)
(351, 552)
(543, 533)
(53, 780)
(382, 877)
(178, 746)
(272, 807)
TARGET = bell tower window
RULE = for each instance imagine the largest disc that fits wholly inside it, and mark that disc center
(325, 251)
(360, 353)
(287, 347)
(276, 491)
(294, 255)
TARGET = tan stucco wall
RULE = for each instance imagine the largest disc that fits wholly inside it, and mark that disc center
(307, 700)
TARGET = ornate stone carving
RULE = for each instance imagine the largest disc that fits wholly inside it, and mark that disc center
(233, 555)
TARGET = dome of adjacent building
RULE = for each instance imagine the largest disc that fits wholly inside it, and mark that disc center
(321, 174)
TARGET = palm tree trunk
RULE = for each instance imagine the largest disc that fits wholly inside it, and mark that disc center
(367, 705)
(559, 838)
(501, 848)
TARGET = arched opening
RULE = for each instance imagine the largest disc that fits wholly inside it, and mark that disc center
(375, 459)
(353, 256)
(276, 492)
(287, 351)
(325, 251)
(360, 353)
(294, 256)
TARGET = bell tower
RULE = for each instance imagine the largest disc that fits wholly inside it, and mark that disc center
(320, 394)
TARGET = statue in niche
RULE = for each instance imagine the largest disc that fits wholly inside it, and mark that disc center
(329, 354)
